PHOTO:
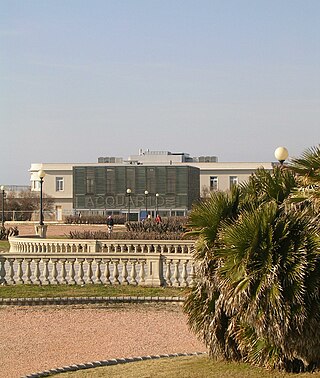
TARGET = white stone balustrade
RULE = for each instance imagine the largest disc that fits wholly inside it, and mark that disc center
(109, 262)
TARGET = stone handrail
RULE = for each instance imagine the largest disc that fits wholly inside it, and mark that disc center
(73, 261)
(38, 245)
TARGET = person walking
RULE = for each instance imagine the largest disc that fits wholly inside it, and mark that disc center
(110, 223)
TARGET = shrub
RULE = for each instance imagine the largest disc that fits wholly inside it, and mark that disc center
(93, 219)
(6, 232)
(168, 229)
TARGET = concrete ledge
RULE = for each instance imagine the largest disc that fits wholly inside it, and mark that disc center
(114, 361)
(85, 300)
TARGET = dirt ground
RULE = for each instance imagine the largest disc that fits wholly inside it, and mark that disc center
(34, 339)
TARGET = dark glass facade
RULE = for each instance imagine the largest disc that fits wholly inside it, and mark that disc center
(105, 187)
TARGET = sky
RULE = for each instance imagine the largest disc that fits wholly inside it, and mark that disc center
(81, 79)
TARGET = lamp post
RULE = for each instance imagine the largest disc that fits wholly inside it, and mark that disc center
(41, 174)
(129, 195)
(2, 214)
(146, 201)
(281, 154)
(157, 196)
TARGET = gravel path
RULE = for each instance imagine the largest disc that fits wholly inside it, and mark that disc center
(35, 339)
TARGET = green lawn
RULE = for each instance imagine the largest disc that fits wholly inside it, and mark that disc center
(182, 367)
(49, 291)
(4, 245)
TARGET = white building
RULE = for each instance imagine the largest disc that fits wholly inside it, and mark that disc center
(214, 175)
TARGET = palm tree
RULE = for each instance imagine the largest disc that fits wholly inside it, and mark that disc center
(256, 297)
(307, 168)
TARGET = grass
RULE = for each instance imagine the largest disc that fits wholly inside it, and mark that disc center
(182, 367)
(4, 245)
(50, 291)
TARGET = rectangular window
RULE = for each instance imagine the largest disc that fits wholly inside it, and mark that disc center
(111, 181)
(35, 185)
(90, 182)
(90, 185)
(233, 180)
(171, 180)
(213, 183)
(131, 178)
(59, 184)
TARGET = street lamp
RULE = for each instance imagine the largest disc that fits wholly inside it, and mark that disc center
(41, 175)
(281, 154)
(146, 201)
(129, 194)
(157, 196)
(2, 215)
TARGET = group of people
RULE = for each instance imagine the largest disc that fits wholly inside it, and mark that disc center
(110, 221)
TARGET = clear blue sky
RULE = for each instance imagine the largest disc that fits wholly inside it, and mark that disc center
(88, 78)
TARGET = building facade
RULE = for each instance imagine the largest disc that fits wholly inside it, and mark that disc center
(172, 181)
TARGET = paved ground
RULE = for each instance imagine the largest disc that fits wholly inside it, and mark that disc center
(27, 228)
(35, 339)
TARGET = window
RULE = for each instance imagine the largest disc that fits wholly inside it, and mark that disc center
(90, 185)
(233, 180)
(59, 184)
(213, 183)
(171, 180)
(35, 185)
(90, 182)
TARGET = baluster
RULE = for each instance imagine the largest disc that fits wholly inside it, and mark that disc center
(36, 272)
(149, 248)
(125, 272)
(122, 248)
(28, 271)
(19, 272)
(133, 274)
(63, 279)
(176, 249)
(116, 272)
(2, 270)
(10, 280)
(54, 272)
(176, 274)
(192, 274)
(107, 272)
(162, 248)
(109, 248)
(135, 246)
(71, 271)
(168, 272)
(142, 248)
(98, 271)
(89, 271)
(129, 248)
(45, 280)
(184, 274)
(80, 272)
(142, 273)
